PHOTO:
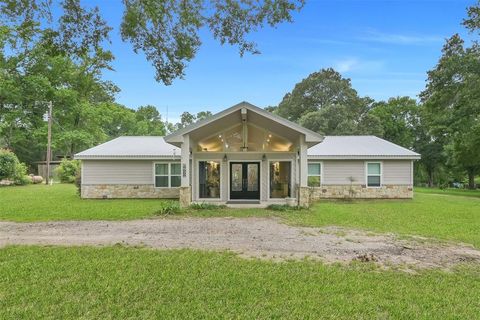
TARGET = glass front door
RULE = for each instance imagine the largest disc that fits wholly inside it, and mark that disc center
(244, 180)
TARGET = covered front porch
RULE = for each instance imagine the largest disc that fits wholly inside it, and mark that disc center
(244, 156)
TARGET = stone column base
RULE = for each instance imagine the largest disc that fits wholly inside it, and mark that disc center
(304, 197)
(185, 196)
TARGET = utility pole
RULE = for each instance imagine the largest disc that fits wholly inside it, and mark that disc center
(166, 122)
(49, 142)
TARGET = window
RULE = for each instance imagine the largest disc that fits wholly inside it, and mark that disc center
(167, 175)
(175, 175)
(280, 173)
(374, 174)
(209, 179)
(314, 174)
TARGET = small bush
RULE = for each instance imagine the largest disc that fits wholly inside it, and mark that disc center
(8, 162)
(20, 176)
(207, 206)
(283, 207)
(78, 181)
(12, 169)
(67, 170)
(168, 208)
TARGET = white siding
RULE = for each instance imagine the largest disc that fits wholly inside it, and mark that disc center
(117, 172)
(398, 172)
(338, 172)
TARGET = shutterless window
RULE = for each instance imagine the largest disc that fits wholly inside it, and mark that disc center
(167, 175)
(175, 175)
(314, 174)
(374, 174)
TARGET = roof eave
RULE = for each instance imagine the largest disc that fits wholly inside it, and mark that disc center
(364, 157)
(126, 157)
(310, 136)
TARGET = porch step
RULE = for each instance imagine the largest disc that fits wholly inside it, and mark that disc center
(243, 201)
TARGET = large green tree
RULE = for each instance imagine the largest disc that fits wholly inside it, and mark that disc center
(149, 122)
(326, 102)
(399, 118)
(452, 103)
(167, 31)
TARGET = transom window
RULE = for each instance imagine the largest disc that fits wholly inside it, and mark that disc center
(374, 174)
(167, 175)
(314, 174)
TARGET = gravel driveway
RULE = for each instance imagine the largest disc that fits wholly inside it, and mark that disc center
(265, 238)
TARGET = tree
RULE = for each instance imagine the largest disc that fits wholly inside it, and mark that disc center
(186, 118)
(149, 122)
(167, 32)
(203, 115)
(325, 102)
(316, 92)
(473, 21)
(452, 103)
(399, 118)
(340, 120)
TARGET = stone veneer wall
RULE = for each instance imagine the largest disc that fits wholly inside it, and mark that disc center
(361, 192)
(111, 191)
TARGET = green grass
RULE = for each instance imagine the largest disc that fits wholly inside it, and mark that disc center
(61, 202)
(119, 283)
(450, 191)
(445, 217)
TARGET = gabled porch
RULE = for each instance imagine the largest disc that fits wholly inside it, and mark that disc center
(244, 156)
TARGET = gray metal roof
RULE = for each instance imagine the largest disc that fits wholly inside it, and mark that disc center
(141, 147)
(332, 147)
(359, 147)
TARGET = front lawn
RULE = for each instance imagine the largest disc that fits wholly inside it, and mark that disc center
(61, 202)
(450, 191)
(446, 217)
(120, 283)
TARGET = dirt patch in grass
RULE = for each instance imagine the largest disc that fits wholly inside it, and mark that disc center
(265, 238)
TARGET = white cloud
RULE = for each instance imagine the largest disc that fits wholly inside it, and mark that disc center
(355, 64)
(401, 39)
(346, 65)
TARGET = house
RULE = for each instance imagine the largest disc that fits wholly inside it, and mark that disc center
(248, 155)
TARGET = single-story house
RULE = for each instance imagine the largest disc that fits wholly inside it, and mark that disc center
(248, 155)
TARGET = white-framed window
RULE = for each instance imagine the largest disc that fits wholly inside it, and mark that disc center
(314, 174)
(167, 175)
(374, 174)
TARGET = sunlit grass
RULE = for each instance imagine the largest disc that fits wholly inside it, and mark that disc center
(120, 283)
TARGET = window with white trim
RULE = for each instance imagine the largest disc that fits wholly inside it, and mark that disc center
(167, 175)
(374, 174)
(314, 174)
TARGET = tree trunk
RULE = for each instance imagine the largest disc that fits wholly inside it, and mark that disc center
(471, 179)
(430, 178)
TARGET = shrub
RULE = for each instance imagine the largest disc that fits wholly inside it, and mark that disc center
(207, 206)
(8, 162)
(67, 170)
(168, 208)
(12, 169)
(283, 207)
(78, 181)
(20, 176)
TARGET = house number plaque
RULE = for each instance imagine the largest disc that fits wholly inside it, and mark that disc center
(184, 170)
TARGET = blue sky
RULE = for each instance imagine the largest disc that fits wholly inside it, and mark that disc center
(384, 47)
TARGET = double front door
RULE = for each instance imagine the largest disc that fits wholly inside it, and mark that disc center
(244, 180)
